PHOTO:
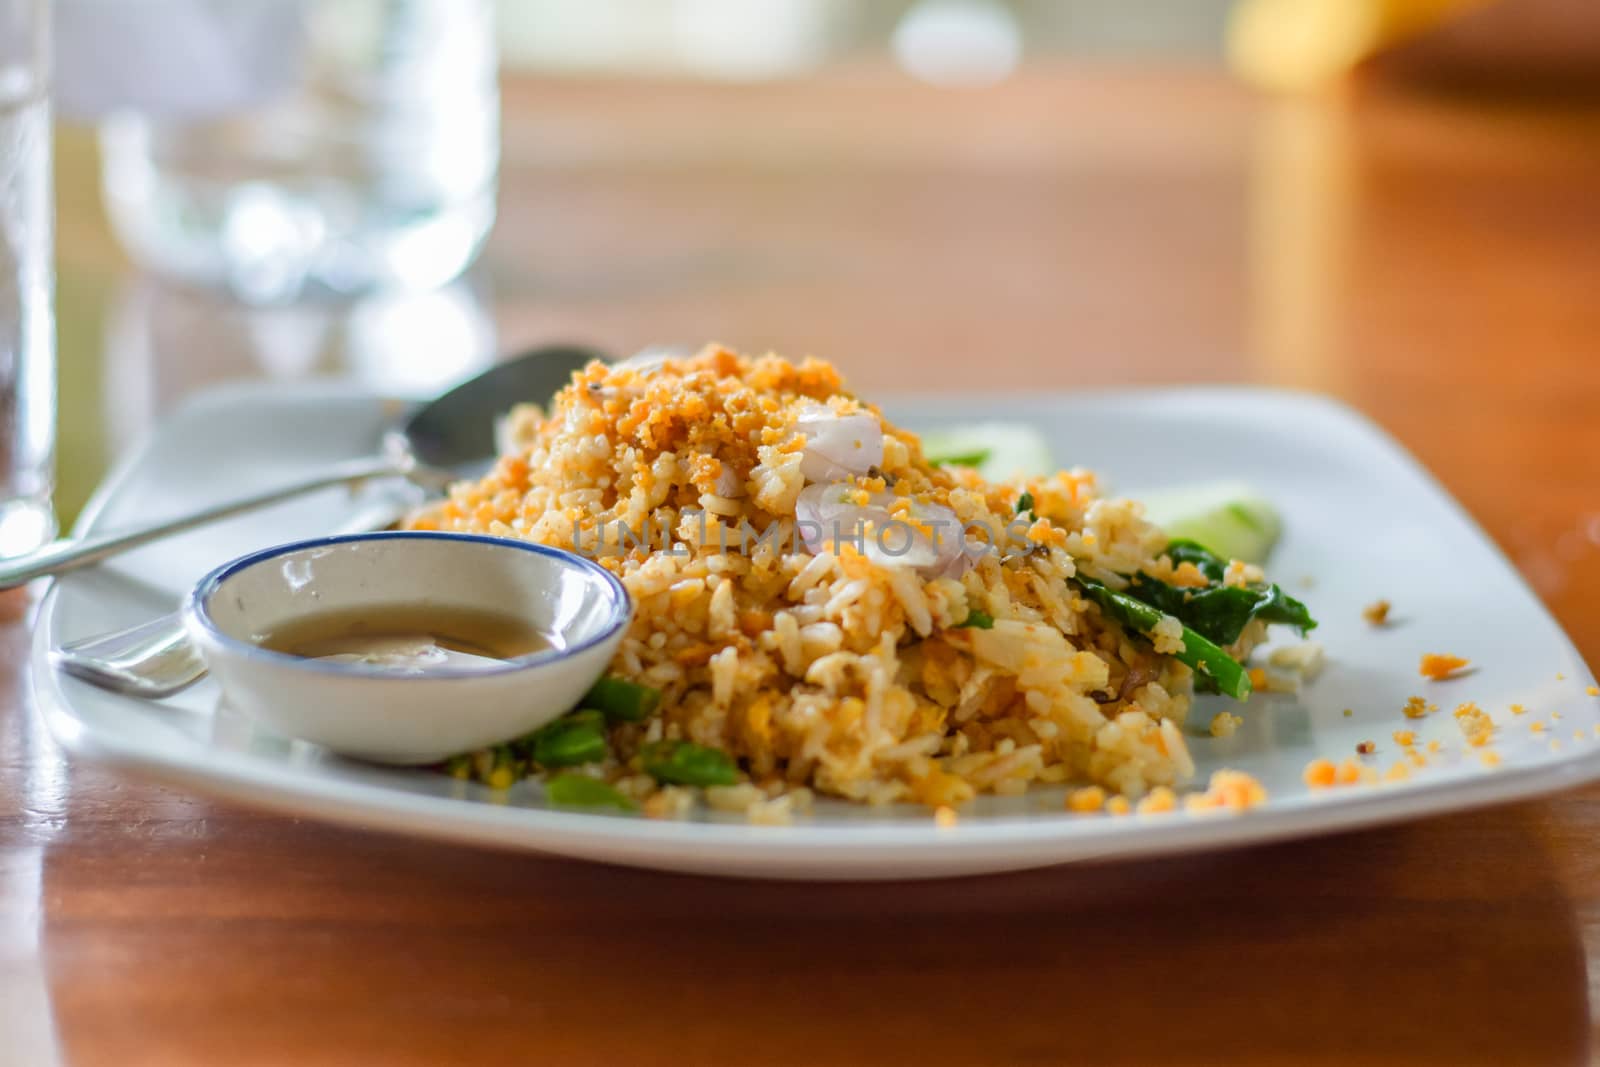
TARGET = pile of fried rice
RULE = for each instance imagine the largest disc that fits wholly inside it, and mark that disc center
(810, 592)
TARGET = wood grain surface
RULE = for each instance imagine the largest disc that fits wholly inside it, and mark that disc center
(1434, 261)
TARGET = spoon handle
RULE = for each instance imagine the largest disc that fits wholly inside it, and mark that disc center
(69, 554)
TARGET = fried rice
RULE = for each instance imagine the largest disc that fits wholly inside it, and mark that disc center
(827, 661)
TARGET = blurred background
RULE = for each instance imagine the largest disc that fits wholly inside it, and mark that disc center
(1365, 197)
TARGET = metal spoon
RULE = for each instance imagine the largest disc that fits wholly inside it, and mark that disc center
(441, 442)
(450, 437)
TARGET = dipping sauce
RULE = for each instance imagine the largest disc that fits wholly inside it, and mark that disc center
(409, 638)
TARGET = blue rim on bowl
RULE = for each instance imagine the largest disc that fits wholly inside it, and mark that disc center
(197, 608)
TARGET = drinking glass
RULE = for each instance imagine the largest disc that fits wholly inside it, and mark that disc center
(281, 148)
(27, 329)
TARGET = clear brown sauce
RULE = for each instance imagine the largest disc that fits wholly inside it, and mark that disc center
(425, 633)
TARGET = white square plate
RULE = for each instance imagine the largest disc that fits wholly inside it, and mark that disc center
(1362, 521)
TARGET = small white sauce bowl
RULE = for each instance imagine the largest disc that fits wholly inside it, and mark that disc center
(357, 710)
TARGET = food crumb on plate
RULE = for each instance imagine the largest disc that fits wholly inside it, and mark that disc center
(1305, 658)
(1593, 690)
(1400, 772)
(1161, 799)
(1118, 805)
(1537, 726)
(1223, 724)
(1367, 748)
(1490, 758)
(1518, 709)
(1376, 613)
(1415, 708)
(1349, 712)
(944, 816)
(1475, 725)
(1404, 738)
(1230, 790)
(1324, 774)
(1319, 773)
(1089, 799)
(1436, 667)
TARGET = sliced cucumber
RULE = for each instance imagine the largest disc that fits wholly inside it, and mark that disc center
(999, 450)
(1229, 518)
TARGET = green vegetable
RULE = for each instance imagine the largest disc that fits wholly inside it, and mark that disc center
(1025, 504)
(1228, 518)
(581, 791)
(977, 619)
(1219, 611)
(686, 763)
(621, 700)
(1213, 667)
(573, 739)
(1008, 449)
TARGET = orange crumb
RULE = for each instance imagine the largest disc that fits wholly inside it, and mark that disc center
(1436, 667)
(1404, 737)
(1518, 709)
(1319, 774)
(1377, 612)
(1398, 773)
(1490, 758)
(1118, 806)
(1086, 800)
(1232, 790)
(1349, 772)
(1536, 727)
(944, 817)
(1593, 690)
(1415, 708)
(1160, 799)
(1366, 748)
(1556, 715)
(1434, 746)
(1258, 678)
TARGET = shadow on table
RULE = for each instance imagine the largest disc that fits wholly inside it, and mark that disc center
(1450, 941)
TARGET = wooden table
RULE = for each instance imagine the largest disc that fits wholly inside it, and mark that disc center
(1433, 261)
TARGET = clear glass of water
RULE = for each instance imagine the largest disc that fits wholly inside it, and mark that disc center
(27, 329)
(293, 147)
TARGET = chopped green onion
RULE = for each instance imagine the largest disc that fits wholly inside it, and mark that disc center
(581, 791)
(686, 763)
(1025, 504)
(977, 619)
(621, 700)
